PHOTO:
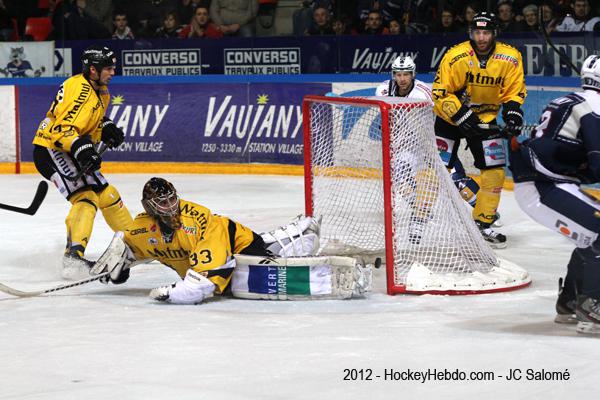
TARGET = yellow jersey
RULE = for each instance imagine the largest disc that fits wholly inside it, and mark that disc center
(77, 110)
(460, 79)
(205, 242)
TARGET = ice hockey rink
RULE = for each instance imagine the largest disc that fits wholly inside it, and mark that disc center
(100, 342)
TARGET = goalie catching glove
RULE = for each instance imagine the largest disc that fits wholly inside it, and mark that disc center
(112, 135)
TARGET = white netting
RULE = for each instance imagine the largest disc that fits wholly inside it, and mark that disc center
(436, 247)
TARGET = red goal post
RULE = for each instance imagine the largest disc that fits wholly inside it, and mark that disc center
(372, 171)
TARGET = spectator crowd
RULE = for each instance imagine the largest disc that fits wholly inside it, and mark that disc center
(132, 19)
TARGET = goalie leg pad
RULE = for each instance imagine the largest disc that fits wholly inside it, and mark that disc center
(299, 238)
(117, 259)
(300, 278)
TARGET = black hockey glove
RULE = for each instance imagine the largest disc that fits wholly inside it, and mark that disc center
(86, 155)
(468, 123)
(121, 278)
(513, 117)
(112, 135)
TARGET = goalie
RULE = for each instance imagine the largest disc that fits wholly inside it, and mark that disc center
(200, 247)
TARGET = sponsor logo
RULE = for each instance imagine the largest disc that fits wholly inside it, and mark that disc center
(262, 61)
(78, 102)
(377, 61)
(161, 62)
(138, 231)
(494, 151)
(504, 57)
(169, 253)
(484, 80)
(153, 228)
(457, 57)
(190, 230)
(248, 123)
(138, 120)
(153, 241)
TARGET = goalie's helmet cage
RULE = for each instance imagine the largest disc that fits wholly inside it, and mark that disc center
(98, 56)
(160, 200)
(590, 73)
(374, 174)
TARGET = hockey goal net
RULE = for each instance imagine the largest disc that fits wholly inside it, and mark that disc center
(373, 172)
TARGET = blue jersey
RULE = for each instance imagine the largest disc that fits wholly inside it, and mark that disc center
(565, 147)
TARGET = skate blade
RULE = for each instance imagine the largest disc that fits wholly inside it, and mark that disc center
(497, 245)
(588, 328)
(565, 319)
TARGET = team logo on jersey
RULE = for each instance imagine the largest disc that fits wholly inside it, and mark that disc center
(153, 241)
(153, 228)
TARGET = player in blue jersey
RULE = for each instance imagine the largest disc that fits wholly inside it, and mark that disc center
(548, 169)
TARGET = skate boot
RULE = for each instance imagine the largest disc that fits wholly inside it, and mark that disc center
(74, 266)
(588, 315)
(565, 306)
(494, 239)
(497, 221)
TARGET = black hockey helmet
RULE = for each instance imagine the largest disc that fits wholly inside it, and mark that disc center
(484, 20)
(98, 56)
(160, 200)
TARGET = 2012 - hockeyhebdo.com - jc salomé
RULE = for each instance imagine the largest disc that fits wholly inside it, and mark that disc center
(443, 374)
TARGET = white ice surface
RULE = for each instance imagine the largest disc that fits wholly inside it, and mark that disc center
(112, 342)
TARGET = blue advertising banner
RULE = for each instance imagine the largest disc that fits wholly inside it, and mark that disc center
(228, 123)
(320, 54)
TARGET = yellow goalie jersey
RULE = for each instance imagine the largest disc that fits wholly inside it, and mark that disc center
(205, 242)
(461, 80)
(77, 110)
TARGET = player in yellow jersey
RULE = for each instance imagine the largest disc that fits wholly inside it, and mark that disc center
(200, 245)
(65, 143)
(474, 80)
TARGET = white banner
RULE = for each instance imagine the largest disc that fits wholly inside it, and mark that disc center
(26, 59)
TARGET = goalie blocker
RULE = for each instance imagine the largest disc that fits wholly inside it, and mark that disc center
(300, 278)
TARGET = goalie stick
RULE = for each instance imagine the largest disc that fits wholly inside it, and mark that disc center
(38, 198)
(21, 293)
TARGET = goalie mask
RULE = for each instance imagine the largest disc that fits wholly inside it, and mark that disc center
(590, 73)
(160, 200)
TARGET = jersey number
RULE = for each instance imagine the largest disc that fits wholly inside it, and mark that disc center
(205, 256)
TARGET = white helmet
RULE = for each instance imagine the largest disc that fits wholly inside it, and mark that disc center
(404, 64)
(590, 73)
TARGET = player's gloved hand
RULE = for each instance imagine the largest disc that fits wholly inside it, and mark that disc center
(161, 293)
(468, 123)
(86, 155)
(112, 135)
(513, 117)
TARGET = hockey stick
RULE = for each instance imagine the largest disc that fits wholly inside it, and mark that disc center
(85, 169)
(38, 198)
(563, 57)
(20, 293)
(503, 128)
